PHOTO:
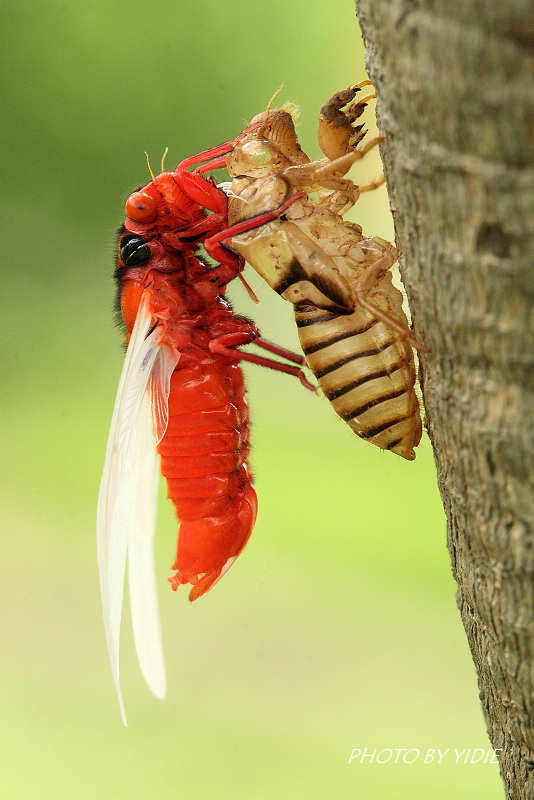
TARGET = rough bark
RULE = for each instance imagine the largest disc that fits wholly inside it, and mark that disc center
(455, 100)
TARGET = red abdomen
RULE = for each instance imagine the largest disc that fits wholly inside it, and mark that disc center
(204, 457)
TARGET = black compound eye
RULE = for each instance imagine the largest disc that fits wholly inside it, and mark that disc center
(134, 250)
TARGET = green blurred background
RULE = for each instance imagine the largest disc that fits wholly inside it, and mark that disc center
(337, 628)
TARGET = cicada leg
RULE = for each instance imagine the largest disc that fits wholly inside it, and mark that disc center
(344, 162)
(369, 277)
(227, 343)
(198, 188)
(225, 236)
(215, 156)
(369, 187)
(327, 174)
(281, 351)
(336, 133)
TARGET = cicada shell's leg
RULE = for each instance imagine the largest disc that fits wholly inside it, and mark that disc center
(361, 151)
(369, 277)
(327, 174)
(317, 267)
(369, 187)
(336, 133)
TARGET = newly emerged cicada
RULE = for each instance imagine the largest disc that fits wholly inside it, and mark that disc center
(352, 328)
(180, 407)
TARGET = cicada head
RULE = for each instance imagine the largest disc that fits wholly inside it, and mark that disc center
(278, 128)
(269, 148)
(161, 205)
(255, 157)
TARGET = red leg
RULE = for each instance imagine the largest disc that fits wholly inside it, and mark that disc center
(224, 273)
(206, 155)
(213, 152)
(212, 243)
(197, 188)
(225, 345)
(230, 263)
(201, 191)
(281, 351)
(218, 251)
(250, 291)
(217, 163)
(206, 225)
(247, 130)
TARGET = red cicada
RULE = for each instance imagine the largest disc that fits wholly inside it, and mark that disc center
(180, 398)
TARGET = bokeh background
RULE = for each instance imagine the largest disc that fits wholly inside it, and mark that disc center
(337, 627)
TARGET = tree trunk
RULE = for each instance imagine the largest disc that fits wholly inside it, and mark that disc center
(455, 100)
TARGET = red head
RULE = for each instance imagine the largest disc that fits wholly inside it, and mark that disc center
(161, 205)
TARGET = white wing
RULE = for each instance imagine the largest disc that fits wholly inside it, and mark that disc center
(127, 500)
(141, 572)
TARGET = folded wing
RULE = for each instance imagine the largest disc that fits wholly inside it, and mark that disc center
(126, 514)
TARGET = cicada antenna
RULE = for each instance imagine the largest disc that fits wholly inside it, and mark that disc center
(162, 159)
(149, 167)
(269, 104)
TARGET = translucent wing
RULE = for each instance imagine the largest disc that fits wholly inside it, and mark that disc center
(127, 500)
(141, 572)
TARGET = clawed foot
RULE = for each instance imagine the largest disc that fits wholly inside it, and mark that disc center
(337, 135)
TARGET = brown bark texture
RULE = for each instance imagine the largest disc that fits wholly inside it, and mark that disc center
(455, 101)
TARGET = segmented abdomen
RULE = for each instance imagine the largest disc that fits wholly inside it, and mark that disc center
(366, 372)
(204, 459)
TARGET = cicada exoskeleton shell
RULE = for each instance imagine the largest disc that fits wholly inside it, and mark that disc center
(351, 323)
